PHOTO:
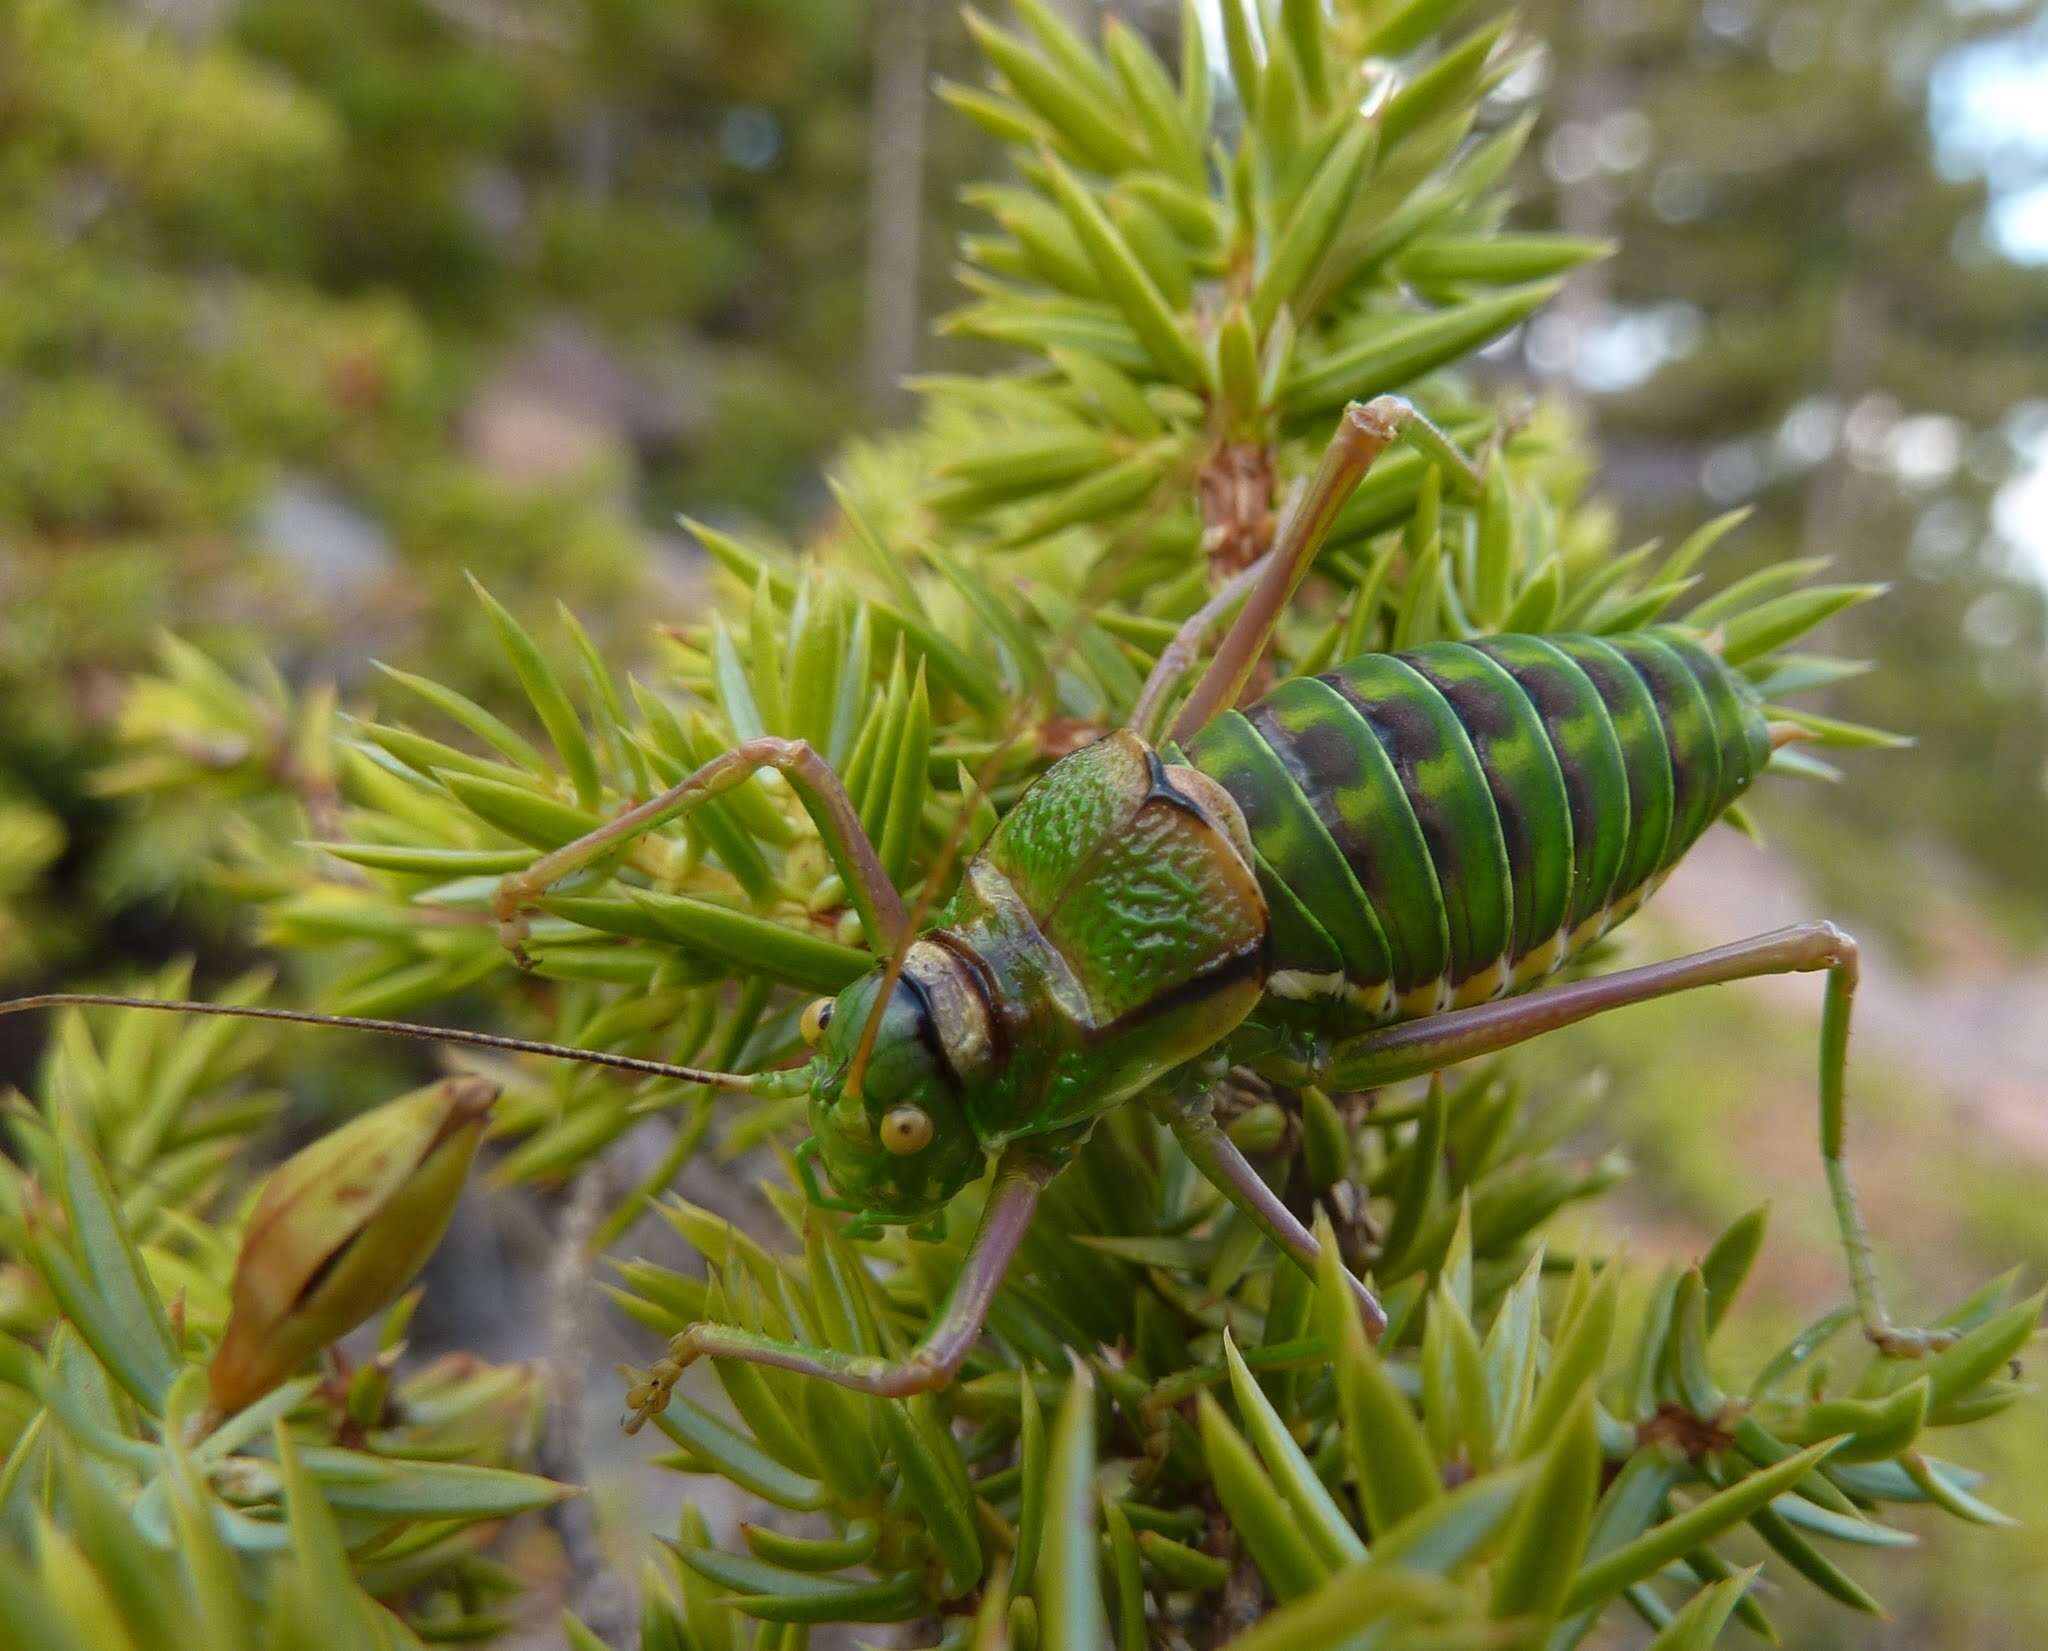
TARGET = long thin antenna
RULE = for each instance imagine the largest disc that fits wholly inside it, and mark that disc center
(395, 1028)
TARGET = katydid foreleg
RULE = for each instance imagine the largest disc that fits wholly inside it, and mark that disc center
(874, 897)
(1020, 1178)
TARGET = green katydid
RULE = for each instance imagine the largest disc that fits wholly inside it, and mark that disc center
(1364, 876)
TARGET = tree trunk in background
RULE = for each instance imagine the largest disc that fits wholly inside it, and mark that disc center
(1838, 495)
(1586, 95)
(1829, 509)
(902, 50)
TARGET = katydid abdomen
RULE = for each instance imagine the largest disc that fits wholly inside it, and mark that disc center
(1441, 827)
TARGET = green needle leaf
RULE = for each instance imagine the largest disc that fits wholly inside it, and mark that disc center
(531, 816)
(1347, 1609)
(1671, 1541)
(353, 1482)
(38, 1614)
(1031, 1461)
(1314, 1508)
(1241, 41)
(1391, 1462)
(1181, 1565)
(1812, 1564)
(1955, 1371)
(1549, 1529)
(1258, 1513)
(1784, 619)
(499, 735)
(751, 944)
(1127, 1581)
(1727, 1263)
(1580, 1357)
(1083, 123)
(114, 1269)
(550, 701)
(1397, 352)
(800, 1553)
(737, 1457)
(1497, 260)
(1444, 1534)
(1698, 1627)
(1446, 83)
(1409, 26)
(1126, 281)
(327, 1586)
(1312, 224)
(930, 1463)
(1876, 1429)
(1174, 139)
(1068, 1585)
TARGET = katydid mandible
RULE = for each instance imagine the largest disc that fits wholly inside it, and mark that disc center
(1364, 876)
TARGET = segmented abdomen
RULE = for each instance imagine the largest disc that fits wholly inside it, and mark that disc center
(1437, 827)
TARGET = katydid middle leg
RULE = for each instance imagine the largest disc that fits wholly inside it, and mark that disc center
(1020, 1178)
(1427, 1045)
(821, 791)
(1192, 1119)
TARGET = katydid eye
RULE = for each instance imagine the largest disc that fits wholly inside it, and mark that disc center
(906, 1129)
(816, 1018)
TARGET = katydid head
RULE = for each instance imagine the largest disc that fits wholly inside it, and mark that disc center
(893, 1129)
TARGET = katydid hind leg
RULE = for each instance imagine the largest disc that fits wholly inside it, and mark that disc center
(823, 795)
(1182, 650)
(1431, 1044)
(931, 1363)
(1366, 430)
(1225, 1168)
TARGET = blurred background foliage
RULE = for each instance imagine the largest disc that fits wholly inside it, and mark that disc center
(1817, 308)
(311, 309)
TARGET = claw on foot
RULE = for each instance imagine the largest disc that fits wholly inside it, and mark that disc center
(509, 905)
(1910, 1344)
(512, 935)
(648, 1397)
